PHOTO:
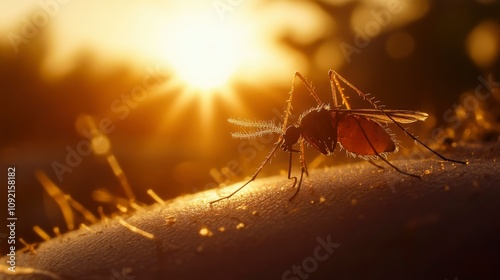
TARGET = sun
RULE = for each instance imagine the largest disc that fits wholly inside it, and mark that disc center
(203, 50)
(205, 55)
(208, 58)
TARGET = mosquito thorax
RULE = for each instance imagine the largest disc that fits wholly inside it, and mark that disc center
(291, 137)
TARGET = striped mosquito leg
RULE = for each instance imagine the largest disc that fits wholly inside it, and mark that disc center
(303, 157)
(309, 87)
(341, 91)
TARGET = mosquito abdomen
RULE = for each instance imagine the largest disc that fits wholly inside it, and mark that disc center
(364, 137)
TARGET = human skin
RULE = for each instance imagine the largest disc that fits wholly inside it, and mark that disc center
(347, 222)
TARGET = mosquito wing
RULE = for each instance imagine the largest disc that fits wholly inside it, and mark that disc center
(400, 116)
(363, 136)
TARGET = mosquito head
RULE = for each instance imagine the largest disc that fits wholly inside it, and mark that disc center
(291, 137)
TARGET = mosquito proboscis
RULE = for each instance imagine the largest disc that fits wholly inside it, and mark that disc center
(361, 132)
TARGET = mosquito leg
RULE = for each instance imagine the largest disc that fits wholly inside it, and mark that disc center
(334, 83)
(370, 100)
(381, 157)
(288, 109)
(396, 168)
(334, 75)
(376, 165)
(333, 87)
(255, 174)
(302, 170)
(427, 147)
(374, 104)
(290, 169)
(298, 187)
(302, 157)
(309, 87)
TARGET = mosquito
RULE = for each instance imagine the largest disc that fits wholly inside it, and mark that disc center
(361, 132)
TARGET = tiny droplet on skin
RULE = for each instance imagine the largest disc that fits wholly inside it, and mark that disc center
(242, 207)
(171, 220)
(205, 232)
(240, 226)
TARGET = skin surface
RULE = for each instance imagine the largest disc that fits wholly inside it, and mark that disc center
(379, 224)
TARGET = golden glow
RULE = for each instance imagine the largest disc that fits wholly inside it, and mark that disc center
(329, 56)
(483, 43)
(206, 52)
(377, 17)
(10, 12)
(98, 141)
(204, 49)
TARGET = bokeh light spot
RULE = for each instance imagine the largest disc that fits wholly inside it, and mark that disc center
(482, 43)
(328, 56)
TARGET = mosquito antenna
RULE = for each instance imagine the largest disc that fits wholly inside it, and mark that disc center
(255, 133)
(255, 174)
(334, 74)
(253, 123)
(263, 128)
